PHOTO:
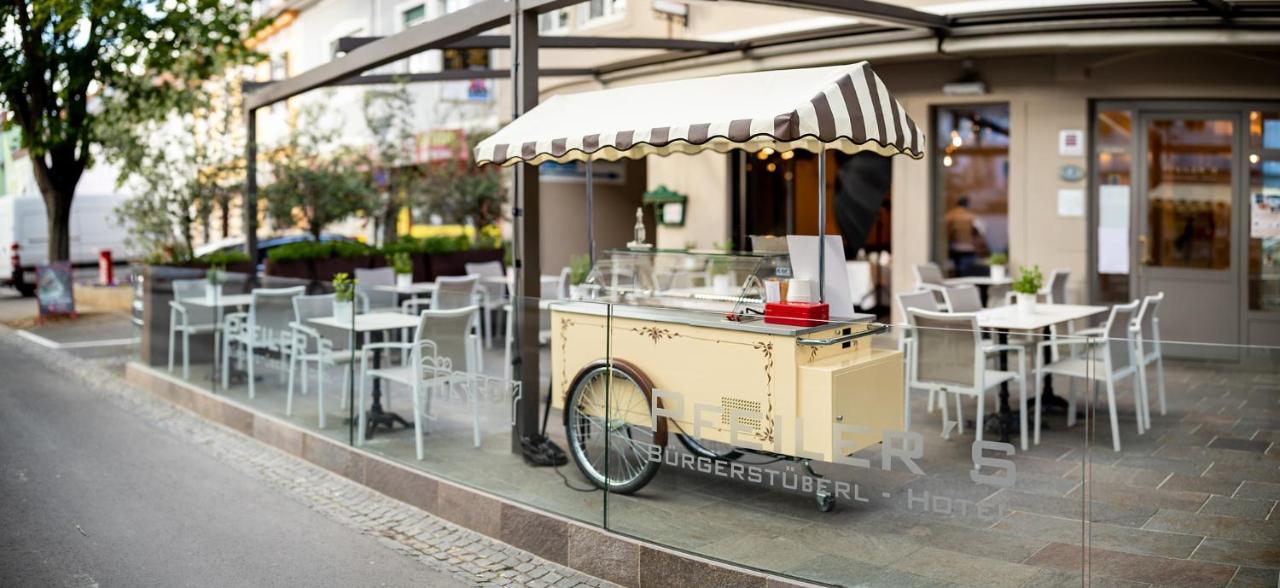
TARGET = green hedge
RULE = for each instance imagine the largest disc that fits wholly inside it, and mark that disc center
(411, 245)
(319, 250)
(222, 258)
(429, 245)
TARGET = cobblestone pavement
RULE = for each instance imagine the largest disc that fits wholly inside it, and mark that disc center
(467, 556)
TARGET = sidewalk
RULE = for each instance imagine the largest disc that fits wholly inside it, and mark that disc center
(439, 546)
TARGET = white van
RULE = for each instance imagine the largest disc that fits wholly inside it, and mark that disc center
(23, 221)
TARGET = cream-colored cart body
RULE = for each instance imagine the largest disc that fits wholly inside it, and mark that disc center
(787, 397)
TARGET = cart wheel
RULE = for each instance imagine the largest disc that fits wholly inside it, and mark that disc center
(610, 441)
(709, 449)
(826, 501)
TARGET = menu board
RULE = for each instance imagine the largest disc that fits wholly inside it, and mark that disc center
(53, 289)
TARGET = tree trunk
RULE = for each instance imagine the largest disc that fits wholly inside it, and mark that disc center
(226, 218)
(57, 184)
(389, 222)
(58, 205)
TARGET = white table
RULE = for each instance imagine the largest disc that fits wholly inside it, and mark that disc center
(374, 322)
(228, 301)
(983, 283)
(410, 290)
(1004, 319)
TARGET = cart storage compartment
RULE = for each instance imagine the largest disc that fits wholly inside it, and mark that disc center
(865, 392)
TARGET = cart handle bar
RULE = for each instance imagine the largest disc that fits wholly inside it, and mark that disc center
(875, 330)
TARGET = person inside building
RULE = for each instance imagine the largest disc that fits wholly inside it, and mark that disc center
(965, 238)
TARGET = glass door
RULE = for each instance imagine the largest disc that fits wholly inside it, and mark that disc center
(1187, 186)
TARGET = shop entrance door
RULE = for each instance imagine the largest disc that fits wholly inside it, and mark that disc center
(1188, 188)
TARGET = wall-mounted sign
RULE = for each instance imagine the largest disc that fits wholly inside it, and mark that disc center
(668, 204)
(1071, 173)
(1071, 143)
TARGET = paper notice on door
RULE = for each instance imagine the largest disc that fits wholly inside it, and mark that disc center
(1113, 229)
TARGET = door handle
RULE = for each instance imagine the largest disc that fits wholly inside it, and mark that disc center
(1144, 256)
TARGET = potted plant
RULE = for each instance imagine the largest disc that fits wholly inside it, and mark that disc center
(402, 263)
(344, 295)
(215, 277)
(579, 269)
(999, 263)
(1027, 287)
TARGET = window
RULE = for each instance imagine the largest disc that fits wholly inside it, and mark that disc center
(971, 190)
(1264, 211)
(601, 9)
(556, 21)
(1113, 163)
(414, 15)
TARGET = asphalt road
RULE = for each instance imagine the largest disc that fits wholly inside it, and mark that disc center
(91, 494)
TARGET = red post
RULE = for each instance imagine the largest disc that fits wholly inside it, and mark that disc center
(106, 271)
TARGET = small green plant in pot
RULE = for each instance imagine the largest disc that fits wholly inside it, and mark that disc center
(579, 269)
(344, 296)
(1027, 287)
(999, 264)
(215, 277)
(402, 263)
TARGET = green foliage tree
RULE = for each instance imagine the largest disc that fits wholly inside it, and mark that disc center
(137, 59)
(397, 177)
(315, 181)
(180, 169)
(458, 190)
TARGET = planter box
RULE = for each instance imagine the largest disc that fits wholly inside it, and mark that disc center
(321, 270)
(452, 264)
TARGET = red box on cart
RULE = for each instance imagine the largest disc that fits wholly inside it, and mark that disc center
(797, 314)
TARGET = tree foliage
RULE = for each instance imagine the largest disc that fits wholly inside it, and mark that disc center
(397, 176)
(459, 191)
(180, 169)
(315, 181)
(136, 60)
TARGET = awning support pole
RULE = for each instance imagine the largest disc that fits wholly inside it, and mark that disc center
(251, 192)
(591, 219)
(822, 223)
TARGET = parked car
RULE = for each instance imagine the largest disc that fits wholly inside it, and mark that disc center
(23, 222)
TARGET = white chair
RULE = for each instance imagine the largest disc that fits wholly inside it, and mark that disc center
(923, 300)
(266, 327)
(369, 289)
(325, 347)
(495, 295)
(444, 353)
(929, 276)
(1147, 343)
(962, 299)
(562, 283)
(1055, 289)
(189, 319)
(1108, 360)
(948, 356)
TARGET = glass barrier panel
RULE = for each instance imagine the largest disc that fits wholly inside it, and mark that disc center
(844, 451)
(443, 394)
(1183, 470)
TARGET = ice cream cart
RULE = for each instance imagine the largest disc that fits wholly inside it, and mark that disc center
(676, 344)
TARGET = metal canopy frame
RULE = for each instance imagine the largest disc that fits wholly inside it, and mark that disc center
(467, 28)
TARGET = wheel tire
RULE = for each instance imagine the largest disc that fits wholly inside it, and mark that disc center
(696, 447)
(826, 501)
(603, 451)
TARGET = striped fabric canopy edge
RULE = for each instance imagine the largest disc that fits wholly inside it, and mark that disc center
(844, 108)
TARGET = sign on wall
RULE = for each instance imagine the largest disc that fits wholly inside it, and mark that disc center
(1071, 143)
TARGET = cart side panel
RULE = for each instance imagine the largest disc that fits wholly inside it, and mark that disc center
(865, 392)
(577, 339)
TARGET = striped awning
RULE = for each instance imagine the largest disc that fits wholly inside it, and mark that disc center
(845, 108)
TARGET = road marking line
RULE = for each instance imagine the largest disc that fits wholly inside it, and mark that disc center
(51, 344)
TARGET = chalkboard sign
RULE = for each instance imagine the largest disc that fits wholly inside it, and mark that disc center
(53, 289)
